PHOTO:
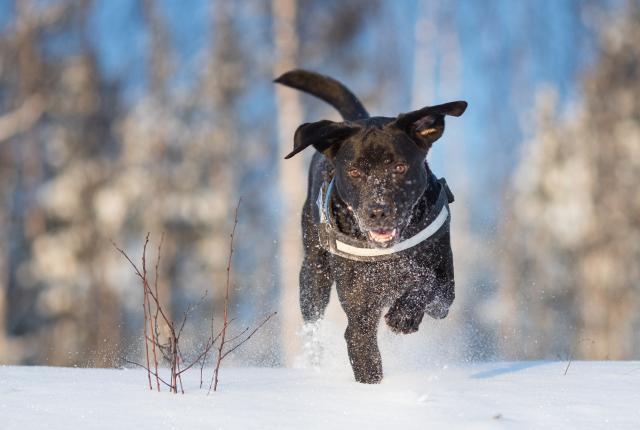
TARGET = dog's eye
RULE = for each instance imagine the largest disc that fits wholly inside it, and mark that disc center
(354, 173)
(400, 168)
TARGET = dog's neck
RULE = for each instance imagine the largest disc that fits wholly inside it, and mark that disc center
(346, 223)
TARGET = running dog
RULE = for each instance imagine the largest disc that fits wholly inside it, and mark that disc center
(376, 219)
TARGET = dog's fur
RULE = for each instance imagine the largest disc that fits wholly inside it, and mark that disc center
(382, 187)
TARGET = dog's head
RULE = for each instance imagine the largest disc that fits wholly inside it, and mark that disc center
(379, 164)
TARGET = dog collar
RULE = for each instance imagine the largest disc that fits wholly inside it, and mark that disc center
(338, 243)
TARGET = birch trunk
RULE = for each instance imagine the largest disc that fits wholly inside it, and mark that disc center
(291, 176)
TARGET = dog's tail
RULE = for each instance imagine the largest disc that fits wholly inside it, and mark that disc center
(327, 89)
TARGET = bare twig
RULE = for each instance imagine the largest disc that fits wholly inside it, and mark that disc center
(573, 350)
(208, 345)
(141, 276)
(250, 335)
(147, 312)
(226, 300)
(170, 350)
(239, 335)
(149, 370)
(145, 301)
(179, 374)
(154, 326)
(190, 309)
(146, 308)
(199, 358)
(124, 254)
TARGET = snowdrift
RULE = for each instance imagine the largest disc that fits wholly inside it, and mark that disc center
(504, 395)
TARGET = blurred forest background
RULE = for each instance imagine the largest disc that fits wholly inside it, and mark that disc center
(119, 118)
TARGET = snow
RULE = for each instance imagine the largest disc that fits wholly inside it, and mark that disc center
(502, 395)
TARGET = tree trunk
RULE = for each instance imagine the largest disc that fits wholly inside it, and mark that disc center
(292, 176)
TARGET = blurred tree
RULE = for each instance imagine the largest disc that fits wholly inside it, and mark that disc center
(175, 172)
(290, 116)
(57, 306)
(571, 273)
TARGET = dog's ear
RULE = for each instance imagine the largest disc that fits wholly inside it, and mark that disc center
(326, 136)
(426, 125)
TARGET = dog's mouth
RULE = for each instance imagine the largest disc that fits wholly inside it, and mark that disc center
(382, 236)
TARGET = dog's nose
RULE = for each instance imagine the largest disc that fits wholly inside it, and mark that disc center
(378, 212)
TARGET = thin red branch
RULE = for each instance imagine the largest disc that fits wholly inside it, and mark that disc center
(171, 350)
(226, 300)
(190, 309)
(145, 301)
(210, 343)
(239, 335)
(249, 336)
(147, 316)
(149, 370)
(173, 339)
(154, 325)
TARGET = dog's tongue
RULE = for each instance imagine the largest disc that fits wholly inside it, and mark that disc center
(382, 235)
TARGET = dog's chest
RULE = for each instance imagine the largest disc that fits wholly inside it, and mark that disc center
(387, 279)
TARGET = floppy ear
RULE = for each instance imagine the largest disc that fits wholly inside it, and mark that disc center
(326, 136)
(426, 125)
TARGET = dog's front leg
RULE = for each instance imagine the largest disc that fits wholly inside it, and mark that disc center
(441, 299)
(315, 286)
(406, 313)
(362, 346)
(433, 293)
(442, 292)
(315, 274)
(315, 290)
(362, 336)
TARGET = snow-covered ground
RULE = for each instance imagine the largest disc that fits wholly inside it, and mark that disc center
(503, 395)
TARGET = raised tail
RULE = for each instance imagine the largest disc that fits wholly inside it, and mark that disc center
(327, 89)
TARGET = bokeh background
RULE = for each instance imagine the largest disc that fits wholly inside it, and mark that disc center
(123, 117)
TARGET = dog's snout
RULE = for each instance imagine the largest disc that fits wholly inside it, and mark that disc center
(378, 212)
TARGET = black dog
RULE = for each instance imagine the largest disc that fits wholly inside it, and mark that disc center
(376, 220)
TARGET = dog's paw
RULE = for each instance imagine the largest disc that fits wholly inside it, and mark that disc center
(369, 378)
(403, 318)
(437, 308)
(312, 349)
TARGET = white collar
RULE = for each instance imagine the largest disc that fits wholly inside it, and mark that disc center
(330, 238)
